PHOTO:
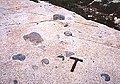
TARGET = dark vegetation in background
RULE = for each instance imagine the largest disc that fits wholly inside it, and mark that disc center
(103, 12)
(35, 1)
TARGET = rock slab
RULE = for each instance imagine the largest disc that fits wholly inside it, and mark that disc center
(28, 29)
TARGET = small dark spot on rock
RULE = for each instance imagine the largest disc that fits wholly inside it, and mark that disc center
(69, 53)
(58, 17)
(68, 33)
(63, 43)
(19, 57)
(45, 61)
(34, 67)
(15, 82)
(79, 32)
(33, 37)
(56, 67)
(4, 74)
(65, 25)
(62, 57)
(58, 36)
(42, 47)
(100, 36)
(106, 77)
(50, 5)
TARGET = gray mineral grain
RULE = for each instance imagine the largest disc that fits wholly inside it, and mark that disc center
(19, 57)
(45, 61)
(58, 17)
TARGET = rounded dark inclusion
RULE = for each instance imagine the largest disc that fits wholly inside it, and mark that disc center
(106, 77)
(20, 57)
(45, 61)
(68, 33)
(15, 82)
(58, 17)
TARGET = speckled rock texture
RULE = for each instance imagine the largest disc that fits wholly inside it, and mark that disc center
(34, 48)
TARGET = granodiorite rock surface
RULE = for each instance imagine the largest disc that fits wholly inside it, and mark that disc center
(34, 48)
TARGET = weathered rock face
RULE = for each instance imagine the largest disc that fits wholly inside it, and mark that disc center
(37, 48)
